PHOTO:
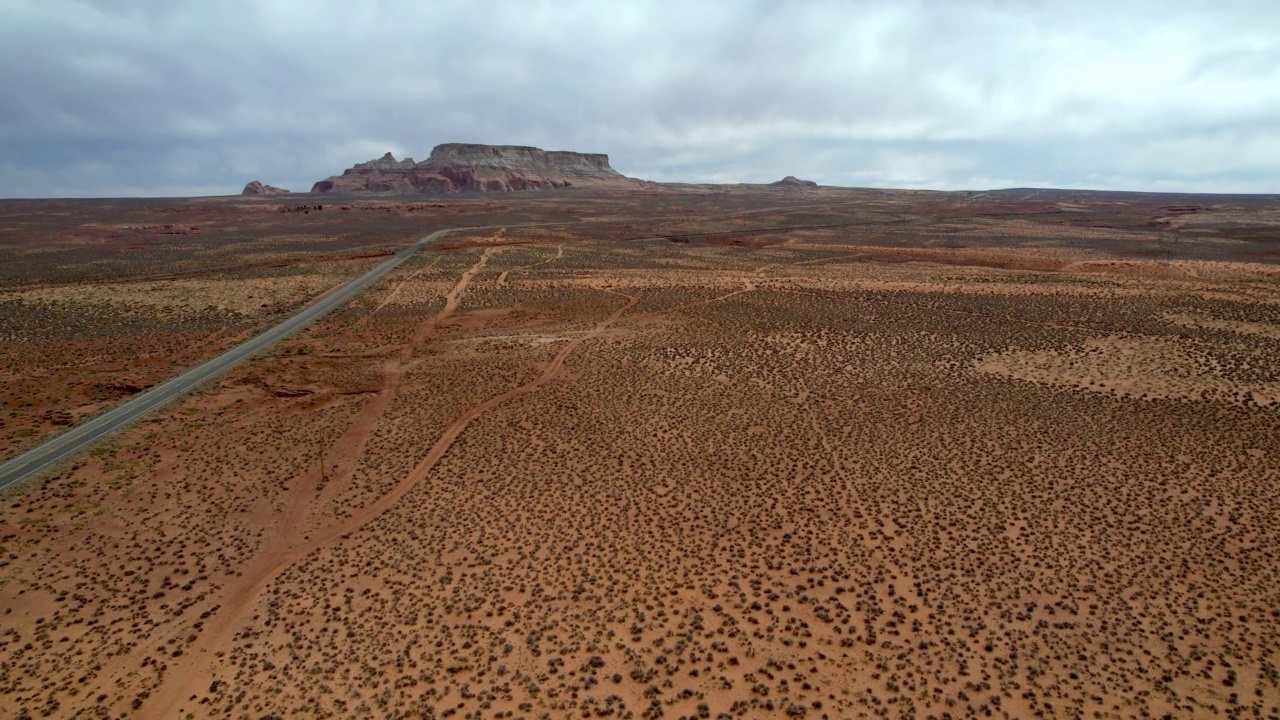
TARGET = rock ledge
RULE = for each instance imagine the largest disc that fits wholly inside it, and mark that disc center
(463, 167)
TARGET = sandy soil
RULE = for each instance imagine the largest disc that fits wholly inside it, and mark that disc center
(625, 469)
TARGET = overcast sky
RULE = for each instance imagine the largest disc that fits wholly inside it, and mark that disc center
(167, 97)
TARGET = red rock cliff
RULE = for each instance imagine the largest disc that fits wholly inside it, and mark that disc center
(458, 167)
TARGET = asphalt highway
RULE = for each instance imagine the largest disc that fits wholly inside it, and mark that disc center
(81, 436)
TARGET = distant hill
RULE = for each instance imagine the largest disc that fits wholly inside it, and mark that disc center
(253, 187)
(793, 181)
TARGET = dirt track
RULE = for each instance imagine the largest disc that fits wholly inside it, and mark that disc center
(289, 545)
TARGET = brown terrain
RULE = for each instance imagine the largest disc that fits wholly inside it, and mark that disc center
(679, 452)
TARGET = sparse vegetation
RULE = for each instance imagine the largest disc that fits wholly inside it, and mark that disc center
(921, 458)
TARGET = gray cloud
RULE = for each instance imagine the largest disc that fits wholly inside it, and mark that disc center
(118, 98)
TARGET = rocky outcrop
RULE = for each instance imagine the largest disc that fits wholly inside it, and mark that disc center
(386, 163)
(461, 167)
(793, 181)
(256, 188)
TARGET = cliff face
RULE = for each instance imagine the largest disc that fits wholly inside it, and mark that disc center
(458, 167)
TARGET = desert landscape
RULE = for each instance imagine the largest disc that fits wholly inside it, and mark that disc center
(652, 451)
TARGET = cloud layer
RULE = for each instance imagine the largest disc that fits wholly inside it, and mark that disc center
(180, 98)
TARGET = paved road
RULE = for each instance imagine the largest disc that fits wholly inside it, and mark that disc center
(81, 436)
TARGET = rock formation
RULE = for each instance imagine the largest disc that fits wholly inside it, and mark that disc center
(256, 188)
(793, 181)
(458, 167)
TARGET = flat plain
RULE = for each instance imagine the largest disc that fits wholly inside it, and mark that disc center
(693, 452)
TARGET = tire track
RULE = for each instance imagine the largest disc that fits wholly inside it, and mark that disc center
(450, 304)
(502, 278)
(265, 568)
(289, 542)
(396, 291)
